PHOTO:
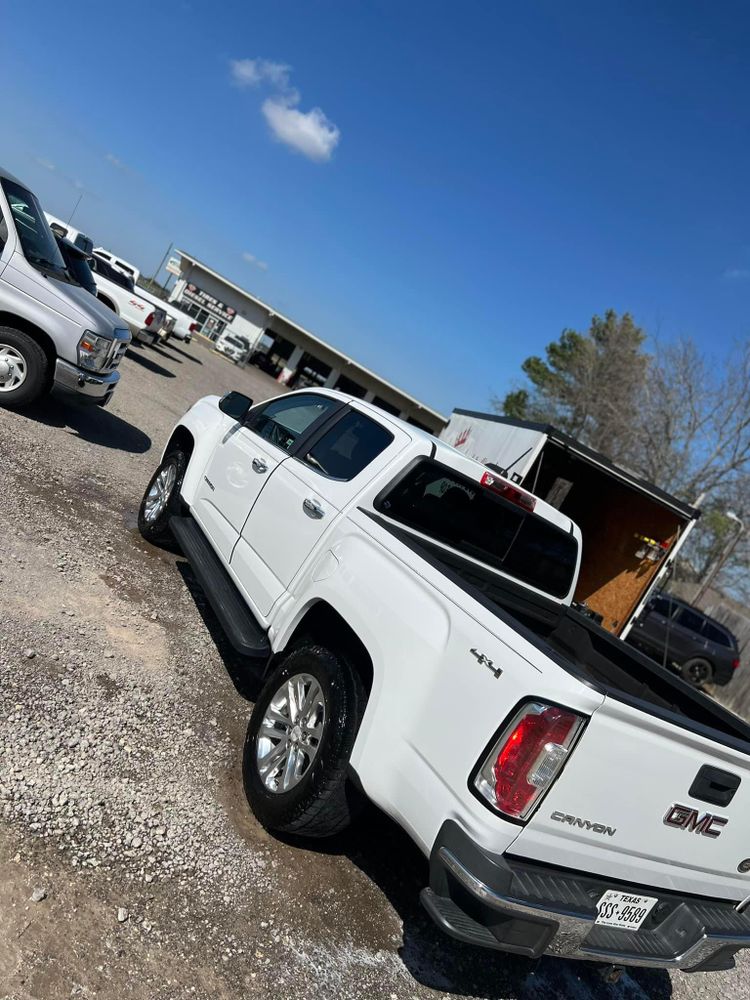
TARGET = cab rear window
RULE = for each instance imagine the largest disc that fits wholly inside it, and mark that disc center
(435, 501)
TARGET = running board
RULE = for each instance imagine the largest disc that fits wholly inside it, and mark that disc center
(235, 617)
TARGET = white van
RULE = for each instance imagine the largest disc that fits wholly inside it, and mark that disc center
(68, 232)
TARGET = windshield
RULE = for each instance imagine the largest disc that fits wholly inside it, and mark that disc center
(37, 241)
(436, 501)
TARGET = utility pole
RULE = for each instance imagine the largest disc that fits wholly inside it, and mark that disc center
(726, 552)
(161, 263)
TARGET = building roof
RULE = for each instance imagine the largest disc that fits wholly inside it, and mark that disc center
(311, 336)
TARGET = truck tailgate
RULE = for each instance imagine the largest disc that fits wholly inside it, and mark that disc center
(606, 813)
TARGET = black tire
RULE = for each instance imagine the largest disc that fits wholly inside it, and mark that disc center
(38, 371)
(156, 530)
(324, 802)
(697, 671)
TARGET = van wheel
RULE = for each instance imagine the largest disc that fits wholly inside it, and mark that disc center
(24, 369)
(299, 741)
(162, 498)
(697, 671)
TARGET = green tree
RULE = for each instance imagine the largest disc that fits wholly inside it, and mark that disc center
(588, 384)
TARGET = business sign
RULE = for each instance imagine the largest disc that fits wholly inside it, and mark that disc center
(194, 294)
(173, 266)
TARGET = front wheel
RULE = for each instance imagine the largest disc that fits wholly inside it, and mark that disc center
(697, 671)
(299, 741)
(162, 498)
(24, 369)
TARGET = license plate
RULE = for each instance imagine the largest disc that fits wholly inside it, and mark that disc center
(620, 909)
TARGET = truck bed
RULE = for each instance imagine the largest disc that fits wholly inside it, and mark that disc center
(581, 647)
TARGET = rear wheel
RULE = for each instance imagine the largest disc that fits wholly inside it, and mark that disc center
(162, 498)
(24, 369)
(299, 741)
(697, 671)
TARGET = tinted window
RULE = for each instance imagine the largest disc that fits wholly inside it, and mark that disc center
(78, 267)
(689, 619)
(3, 232)
(350, 445)
(102, 267)
(715, 634)
(663, 606)
(283, 421)
(469, 518)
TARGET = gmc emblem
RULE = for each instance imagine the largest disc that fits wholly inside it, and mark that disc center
(685, 818)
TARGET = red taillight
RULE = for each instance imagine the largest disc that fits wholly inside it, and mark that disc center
(735, 663)
(193, 327)
(149, 319)
(509, 492)
(527, 758)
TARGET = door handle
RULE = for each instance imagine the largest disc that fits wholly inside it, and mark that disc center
(259, 465)
(312, 508)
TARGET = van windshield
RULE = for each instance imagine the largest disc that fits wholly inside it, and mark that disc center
(460, 513)
(37, 240)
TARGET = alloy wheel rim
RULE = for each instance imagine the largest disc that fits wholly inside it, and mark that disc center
(291, 733)
(698, 673)
(159, 493)
(13, 368)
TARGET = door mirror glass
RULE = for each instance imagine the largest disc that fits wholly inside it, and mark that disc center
(235, 405)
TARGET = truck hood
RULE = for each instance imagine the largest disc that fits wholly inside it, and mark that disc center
(630, 805)
(71, 301)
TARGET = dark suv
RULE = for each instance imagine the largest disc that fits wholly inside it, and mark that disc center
(681, 636)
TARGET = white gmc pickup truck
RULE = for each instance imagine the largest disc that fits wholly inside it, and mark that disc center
(410, 612)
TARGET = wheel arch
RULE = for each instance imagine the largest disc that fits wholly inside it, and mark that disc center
(321, 623)
(110, 303)
(181, 438)
(37, 334)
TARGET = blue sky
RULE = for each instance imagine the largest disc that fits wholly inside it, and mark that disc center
(475, 177)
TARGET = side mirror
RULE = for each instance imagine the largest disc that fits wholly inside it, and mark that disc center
(235, 405)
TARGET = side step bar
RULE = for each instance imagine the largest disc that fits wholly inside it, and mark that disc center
(235, 617)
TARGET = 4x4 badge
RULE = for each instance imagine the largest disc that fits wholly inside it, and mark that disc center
(485, 661)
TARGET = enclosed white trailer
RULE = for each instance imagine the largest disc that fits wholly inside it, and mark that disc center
(632, 530)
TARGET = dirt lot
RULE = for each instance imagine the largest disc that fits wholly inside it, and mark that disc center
(130, 866)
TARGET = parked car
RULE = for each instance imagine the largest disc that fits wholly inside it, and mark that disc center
(409, 612)
(178, 324)
(52, 332)
(116, 290)
(234, 346)
(111, 258)
(77, 263)
(701, 649)
(68, 232)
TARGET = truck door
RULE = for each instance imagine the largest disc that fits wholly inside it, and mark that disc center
(247, 456)
(304, 498)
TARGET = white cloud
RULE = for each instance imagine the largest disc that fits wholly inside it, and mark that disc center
(252, 259)
(737, 273)
(308, 132)
(311, 132)
(111, 158)
(251, 72)
(45, 163)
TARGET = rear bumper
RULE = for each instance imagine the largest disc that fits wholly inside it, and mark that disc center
(530, 909)
(97, 388)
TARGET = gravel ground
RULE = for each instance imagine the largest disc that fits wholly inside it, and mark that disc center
(130, 865)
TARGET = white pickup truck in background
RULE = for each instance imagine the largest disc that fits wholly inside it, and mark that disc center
(411, 614)
(178, 324)
(116, 290)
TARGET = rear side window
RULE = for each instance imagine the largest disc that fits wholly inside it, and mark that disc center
(715, 634)
(348, 447)
(458, 512)
(690, 619)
